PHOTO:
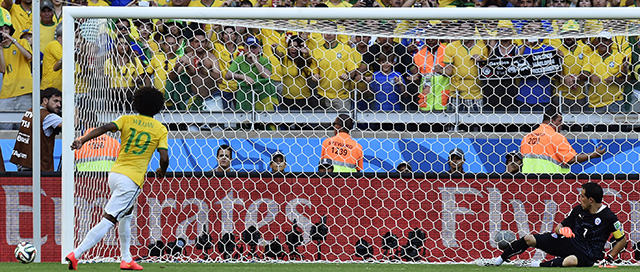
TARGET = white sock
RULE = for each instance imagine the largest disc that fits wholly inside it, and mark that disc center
(124, 233)
(535, 263)
(498, 260)
(93, 237)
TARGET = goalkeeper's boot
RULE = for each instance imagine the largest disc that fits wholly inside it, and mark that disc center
(130, 266)
(73, 262)
(526, 263)
(490, 262)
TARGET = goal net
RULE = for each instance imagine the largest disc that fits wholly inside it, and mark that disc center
(421, 86)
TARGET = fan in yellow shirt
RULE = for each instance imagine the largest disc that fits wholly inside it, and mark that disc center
(570, 85)
(226, 49)
(297, 67)
(337, 66)
(163, 62)
(460, 64)
(123, 70)
(20, 15)
(607, 72)
(52, 64)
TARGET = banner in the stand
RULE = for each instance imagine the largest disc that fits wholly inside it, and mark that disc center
(536, 64)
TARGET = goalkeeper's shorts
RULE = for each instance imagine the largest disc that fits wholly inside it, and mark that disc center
(558, 246)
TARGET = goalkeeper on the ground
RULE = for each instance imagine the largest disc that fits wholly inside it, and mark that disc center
(578, 241)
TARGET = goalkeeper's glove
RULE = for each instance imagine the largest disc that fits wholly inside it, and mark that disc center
(566, 232)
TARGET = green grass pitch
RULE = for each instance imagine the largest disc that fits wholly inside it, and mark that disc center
(286, 267)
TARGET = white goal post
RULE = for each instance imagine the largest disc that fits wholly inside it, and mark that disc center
(70, 14)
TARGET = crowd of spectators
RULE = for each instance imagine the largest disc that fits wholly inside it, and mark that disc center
(207, 67)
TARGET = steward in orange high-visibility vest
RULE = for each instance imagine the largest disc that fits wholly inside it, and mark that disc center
(98, 154)
(546, 151)
(344, 153)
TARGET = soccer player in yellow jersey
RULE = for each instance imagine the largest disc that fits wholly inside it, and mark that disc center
(607, 73)
(141, 136)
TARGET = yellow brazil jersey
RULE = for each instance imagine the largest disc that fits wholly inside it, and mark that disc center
(341, 4)
(52, 54)
(573, 63)
(47, 34)
(17, 78)
(294, 79)
(333, 62)
(123, 76)
(99, 3)
(84, 79)
(224, 60)
(56, 18)
(268, 4)
(269, 37)
(198, 4)
(20, 19)
(153, 46)
(445, 3)
(316, 39)
(604, 94)
(465, 72)
(160, 67)
(141, 136)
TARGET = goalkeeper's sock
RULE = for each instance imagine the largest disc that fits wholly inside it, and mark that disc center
(93, 237)
(557, 262)
(124, 233)
(514, 248)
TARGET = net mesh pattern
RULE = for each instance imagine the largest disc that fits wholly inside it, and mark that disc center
(417, 91)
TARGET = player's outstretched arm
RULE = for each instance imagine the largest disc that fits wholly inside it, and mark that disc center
(582, 157)
(164, 163)
(77, 144)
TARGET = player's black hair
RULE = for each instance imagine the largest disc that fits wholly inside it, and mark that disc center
(592, 189)
(48, 93)
(224, 147)
(148, 101)
(550, 114)
(344, 121)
